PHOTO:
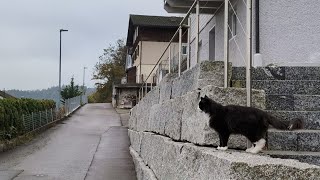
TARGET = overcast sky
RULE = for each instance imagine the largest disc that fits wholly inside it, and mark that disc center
(29, 37)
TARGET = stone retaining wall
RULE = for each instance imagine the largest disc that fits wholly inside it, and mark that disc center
(167, 126)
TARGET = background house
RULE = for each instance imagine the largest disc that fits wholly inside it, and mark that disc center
(147, 38)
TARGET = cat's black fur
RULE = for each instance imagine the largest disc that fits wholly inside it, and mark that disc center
(251, 122)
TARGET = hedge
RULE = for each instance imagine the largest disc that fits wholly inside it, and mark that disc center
(11, 111)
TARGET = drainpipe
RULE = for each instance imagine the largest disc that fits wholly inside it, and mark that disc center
(140, 52)
(248, 45)
(257, 59)
(257, 9)
(249, 57)
(226, 39)
(180, 47)
(188, 50)
(169, 58)
(197, 29)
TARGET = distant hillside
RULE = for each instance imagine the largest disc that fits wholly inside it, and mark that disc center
(50, 93)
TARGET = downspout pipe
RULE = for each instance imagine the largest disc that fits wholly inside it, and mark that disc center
(257, 12)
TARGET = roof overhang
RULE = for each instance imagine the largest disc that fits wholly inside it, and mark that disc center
(148, 21)
(183, 6)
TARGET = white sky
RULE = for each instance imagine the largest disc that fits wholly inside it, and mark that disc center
(29, 37)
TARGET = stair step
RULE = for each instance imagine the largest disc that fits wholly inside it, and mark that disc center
(293, 102)
(307, 103)
(278, 73)
(299, 140)
(311, 118)
(288, 87)
(280, 102)
(302, 156)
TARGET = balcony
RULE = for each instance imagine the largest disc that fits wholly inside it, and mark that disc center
(183, 6)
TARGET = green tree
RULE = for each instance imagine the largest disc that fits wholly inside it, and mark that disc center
(109, 70)
(70, 91)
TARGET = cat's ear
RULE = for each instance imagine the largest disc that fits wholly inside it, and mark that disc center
(206, 97)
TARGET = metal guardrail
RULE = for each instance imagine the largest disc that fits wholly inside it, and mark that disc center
(72, 104)
(36, 120)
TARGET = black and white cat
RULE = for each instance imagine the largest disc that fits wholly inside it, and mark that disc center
(251, 122)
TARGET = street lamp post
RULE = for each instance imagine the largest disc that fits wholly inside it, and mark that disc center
(83, 92)
(61, 30)
(84, 72)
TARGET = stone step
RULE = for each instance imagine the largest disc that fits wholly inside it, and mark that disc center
(299, 140)
(288, 87)
(302, 156)
(295, 102)
(280, 102)
(307, 102)
(311, 118)
(169, 159)
(278, 73)
(203, 74)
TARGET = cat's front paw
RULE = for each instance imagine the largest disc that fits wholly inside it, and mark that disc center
(255, 151)
(250, 149)
(222, 148)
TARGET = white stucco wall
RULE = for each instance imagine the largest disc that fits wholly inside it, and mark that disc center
(151, 51)
(207, 22)
(290, 32)
(146, 70)
(237, 44)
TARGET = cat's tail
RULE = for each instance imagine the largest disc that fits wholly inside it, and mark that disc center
(296, 123)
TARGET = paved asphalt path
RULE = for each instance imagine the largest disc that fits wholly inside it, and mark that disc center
(89, 145)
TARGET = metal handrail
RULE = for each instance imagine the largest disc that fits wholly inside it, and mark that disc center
(170, 42)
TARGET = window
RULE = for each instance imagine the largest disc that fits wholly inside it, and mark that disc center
(129, 61)
(137, 49)
(136, 34)
(136, 53)
(184, 50)
(134, 56)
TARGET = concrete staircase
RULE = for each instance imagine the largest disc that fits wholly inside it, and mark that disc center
(291, 92)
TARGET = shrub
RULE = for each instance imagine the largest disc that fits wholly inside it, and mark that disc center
(11, 111)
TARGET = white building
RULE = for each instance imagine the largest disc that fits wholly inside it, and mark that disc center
(284, 32)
